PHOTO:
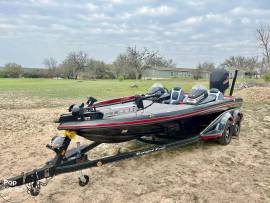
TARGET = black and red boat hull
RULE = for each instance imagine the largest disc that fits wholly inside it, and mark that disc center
(159, 119)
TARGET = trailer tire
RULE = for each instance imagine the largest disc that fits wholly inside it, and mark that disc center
(34, 192)
(226, 137)
(237, 126)
(81, 183)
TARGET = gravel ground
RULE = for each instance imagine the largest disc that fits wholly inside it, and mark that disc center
(203, 172)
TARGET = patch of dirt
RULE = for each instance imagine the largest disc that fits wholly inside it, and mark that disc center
(255, 94)
(17, 100)
(203, 172)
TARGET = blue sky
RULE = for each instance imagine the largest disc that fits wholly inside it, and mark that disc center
(188, 31)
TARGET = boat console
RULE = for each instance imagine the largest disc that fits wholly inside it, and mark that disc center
(176, 96)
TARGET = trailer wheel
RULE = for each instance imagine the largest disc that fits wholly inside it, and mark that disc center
(226, 137)
(237, 126)
(34, 192)
(84, 182)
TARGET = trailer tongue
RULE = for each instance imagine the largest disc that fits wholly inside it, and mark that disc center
(76, 159)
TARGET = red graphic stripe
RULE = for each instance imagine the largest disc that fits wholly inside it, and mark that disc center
(145, 121)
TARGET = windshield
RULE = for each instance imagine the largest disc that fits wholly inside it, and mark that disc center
(155, 88)
(198, 87)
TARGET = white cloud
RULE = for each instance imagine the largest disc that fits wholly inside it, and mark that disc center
(218, 18)
(91, 7)
(44, 2)
(245, 20)
(155, 11)
(199, 3)
(94, 17)
(195, 3)
(114, 2)
(59, 27)
(210, 17)
(192, 25)
(194, 20)
(6, 27)
(124, 16)
(234, 44)
(197, 36)
(41, 1)
(240, 11)
(169, 33)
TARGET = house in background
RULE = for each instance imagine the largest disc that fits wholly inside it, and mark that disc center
(165, 73)
(246, 74)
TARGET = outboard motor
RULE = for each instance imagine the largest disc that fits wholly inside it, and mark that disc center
(219, 79)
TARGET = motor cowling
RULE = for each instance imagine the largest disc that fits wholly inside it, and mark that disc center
(219, 79)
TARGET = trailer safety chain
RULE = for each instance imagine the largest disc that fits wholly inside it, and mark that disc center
(33, 188)
(28, 189)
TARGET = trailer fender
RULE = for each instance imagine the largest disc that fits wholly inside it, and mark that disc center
(217, 126)
(237, 114)
(237, 118)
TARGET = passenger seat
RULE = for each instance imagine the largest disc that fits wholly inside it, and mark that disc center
(213, 95)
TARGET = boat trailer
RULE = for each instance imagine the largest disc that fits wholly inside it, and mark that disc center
(76, 159)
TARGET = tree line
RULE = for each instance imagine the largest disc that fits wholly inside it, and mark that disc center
(78, 65)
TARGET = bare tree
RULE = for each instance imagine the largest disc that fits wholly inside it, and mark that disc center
(206, 66)
(262, 66)
(137, 60)
(76, 60)
(241, 63)
(51, 64)
(141, 60)
(263, 37)
(250, 65)
(197, 73)
(66, 69)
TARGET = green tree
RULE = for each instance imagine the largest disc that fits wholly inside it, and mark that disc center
(96, 69)
(13, 70)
